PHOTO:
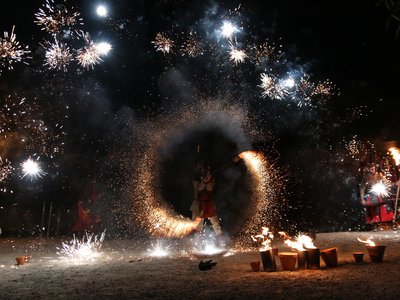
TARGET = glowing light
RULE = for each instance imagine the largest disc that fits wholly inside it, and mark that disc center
(265, 238)
(369, 242)
(381, 188)
(84, 250)
(289, 82)
(395, 154)
(101, 11)
(31, 168)
(228, 29)
(103, 48)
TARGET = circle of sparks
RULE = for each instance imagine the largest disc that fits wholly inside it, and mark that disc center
(151, 211)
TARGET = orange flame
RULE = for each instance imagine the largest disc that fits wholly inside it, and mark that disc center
(265, 237)
(369, 242)
(302, 242)
(395, 154)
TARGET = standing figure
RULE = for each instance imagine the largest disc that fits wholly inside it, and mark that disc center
(203, 205)
(376, 204)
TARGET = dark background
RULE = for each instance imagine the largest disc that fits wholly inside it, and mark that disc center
(352, 43)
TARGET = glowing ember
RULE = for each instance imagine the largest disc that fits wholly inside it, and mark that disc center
(395, 154)
(381, 188)
(369, 242)
(265, 238)
(86, 249)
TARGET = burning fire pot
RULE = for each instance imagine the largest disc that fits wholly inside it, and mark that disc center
(268, 261)
(313, 261)
(302, 259)
(376, 253)
(329, 256)
(288, 260)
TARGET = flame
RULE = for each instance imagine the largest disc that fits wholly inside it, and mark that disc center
(265, 237)
(369, 242)
(302, 242)
(395, 154)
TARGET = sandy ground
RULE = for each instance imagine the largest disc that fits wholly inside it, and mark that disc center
(124, 270)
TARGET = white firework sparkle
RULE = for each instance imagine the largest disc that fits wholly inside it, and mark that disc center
(237, 55)
(381, 188)
(58, 56)
(11, 51)
(271, 88)
(84, 250)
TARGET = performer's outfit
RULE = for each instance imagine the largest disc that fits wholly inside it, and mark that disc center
(377, 208)
(203, 205)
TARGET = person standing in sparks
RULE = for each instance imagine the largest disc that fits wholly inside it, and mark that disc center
(203, 205)
(377, 205)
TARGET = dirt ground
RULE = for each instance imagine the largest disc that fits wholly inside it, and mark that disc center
(125, 270)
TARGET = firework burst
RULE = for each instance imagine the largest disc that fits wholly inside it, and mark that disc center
(58, 56)
(271, 87)
(5, 169)
(54, 18)
(236, 55)
(163, 43)
(88, 56)
(11, 51)
(191, 47)
(268, 52)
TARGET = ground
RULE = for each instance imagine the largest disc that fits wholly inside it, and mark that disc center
(126, 271)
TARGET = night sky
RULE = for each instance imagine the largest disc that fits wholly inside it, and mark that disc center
(95, 118)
